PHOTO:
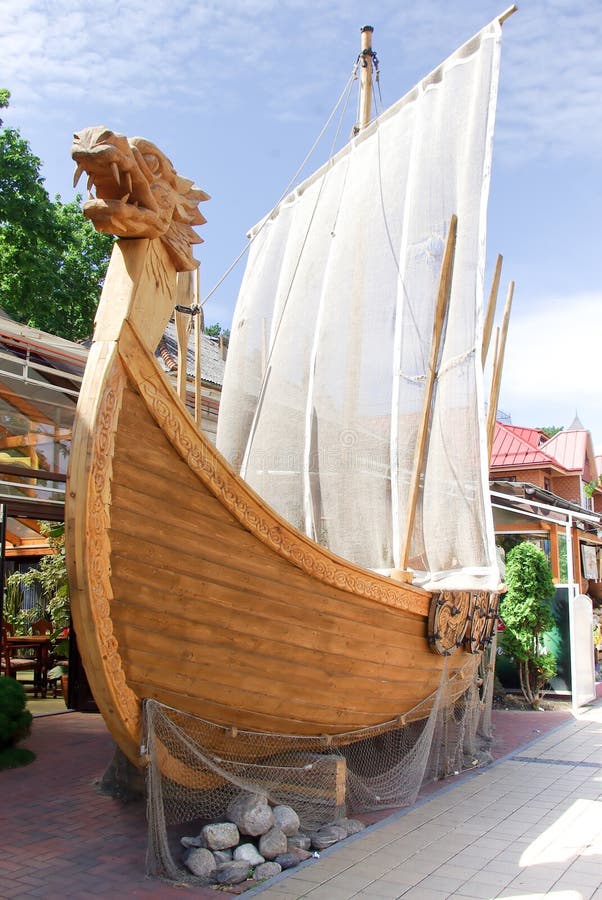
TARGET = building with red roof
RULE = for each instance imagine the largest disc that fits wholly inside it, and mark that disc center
(551, 484)
(547, 490)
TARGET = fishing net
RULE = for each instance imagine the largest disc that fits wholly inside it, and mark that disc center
(196, 768)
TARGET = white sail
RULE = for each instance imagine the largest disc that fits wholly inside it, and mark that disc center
(331, 337)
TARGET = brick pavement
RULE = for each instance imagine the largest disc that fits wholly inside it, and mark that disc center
(62, 838)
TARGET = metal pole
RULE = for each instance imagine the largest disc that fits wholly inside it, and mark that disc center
(2, 558)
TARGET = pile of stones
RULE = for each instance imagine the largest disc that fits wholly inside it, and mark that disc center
(257, 841)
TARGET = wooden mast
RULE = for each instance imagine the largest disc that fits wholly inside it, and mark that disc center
(366, 66)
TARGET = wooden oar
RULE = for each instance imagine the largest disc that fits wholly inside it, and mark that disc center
(441, 311)
(498, 362)
(490, 315)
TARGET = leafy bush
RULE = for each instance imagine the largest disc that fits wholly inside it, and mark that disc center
(51, 576)
(15, 724)
(526, 613)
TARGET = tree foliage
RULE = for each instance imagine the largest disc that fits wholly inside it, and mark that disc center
(52, 261)
(216, 330)
(51, 575)
(15, 724)
(526, 613)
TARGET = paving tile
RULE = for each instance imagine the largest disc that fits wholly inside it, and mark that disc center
(355, 880)
(380, 891)
(330, 892)
(419, 893)
(476, 889)
(441, 882)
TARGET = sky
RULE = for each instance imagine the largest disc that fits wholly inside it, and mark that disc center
(235, 92)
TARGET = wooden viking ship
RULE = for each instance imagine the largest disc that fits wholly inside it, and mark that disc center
(197, 581)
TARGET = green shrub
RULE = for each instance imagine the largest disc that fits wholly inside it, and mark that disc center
(15, 724)
(526, 613)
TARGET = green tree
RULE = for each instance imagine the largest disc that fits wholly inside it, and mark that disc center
(216, 330)
(52, 261)
(51, 575)
(525, 611)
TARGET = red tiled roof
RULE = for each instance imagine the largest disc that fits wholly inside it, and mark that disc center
(510, 448)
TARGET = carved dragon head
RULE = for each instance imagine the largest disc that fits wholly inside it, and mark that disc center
(139, 194)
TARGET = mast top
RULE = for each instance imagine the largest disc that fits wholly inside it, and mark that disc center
(368, 60)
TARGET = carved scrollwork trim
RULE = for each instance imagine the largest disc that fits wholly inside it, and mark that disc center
(462, 618)
(448, 621)
(98, 557)
(483, 618)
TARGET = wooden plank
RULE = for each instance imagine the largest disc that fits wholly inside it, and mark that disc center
(190, 566)
(244, 634)
(167, 664)
(244, 615)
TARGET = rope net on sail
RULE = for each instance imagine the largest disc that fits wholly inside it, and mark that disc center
(196, 768)
(331, 338)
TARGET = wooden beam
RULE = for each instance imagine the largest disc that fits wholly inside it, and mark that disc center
(440, 318)
(24, 406)
(198, 327)
(490, 315)
(182, 320)
(507, 13)
(496, 378)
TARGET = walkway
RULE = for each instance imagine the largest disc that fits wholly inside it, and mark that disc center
(528, 826)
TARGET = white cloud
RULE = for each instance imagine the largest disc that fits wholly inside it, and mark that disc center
(552, 367)
(207, 54)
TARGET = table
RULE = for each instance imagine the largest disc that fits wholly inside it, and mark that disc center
(41, 644)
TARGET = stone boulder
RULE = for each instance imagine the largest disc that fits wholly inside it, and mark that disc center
(220, 835)
(327, 836)
(201, 863)
(233, 872)
(249, 853)
(251, 813)
(286, 819)
(299, 841)
(351, 826)
(266, 870)
(272, 843)
(292, 858)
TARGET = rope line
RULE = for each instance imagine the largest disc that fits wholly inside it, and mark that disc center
(344, 95)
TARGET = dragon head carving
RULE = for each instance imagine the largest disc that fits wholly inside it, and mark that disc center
(139, 194)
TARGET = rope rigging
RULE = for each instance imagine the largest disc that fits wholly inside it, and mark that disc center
(340, 104)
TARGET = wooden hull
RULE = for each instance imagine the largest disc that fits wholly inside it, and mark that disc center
(188, 589)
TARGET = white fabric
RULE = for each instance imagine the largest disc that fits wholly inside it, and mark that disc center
(331, 337)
